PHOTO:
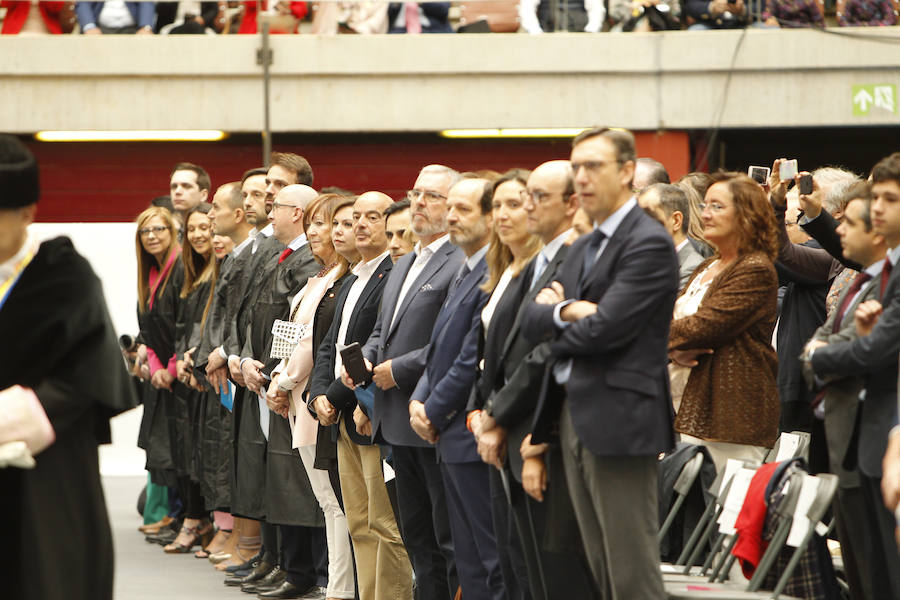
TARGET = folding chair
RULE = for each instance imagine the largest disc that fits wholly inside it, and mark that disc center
(793, 444)
(682, 488)
(806, 502)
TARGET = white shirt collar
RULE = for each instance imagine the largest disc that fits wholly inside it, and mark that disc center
(267, 231)
(874, 270)
(240, 247)
(433, 246)
(613, 221)
(298, 242)
(472, 261)
(681, 245)
(894, 255)
(550, 250)
(364, 270)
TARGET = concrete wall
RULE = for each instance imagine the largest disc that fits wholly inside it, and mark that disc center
(650, 81)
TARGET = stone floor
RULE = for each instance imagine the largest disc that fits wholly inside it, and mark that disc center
(143, 571)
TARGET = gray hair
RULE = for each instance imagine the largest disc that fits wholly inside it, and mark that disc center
(452, 175)
(835, 182)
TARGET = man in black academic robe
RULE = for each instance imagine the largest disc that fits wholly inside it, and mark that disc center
(58, 341)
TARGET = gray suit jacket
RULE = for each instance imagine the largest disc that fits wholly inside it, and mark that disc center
(842, 395)
(875, 358)
(404, 340)
(688, 260)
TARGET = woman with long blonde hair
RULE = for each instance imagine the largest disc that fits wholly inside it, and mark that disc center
(158, 284)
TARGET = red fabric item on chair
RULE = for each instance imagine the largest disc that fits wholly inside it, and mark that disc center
(17, 14)
(750, 545)
(248, 23)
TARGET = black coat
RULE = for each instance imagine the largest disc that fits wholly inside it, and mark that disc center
(362, 320)
(157, 326)
(66, 350)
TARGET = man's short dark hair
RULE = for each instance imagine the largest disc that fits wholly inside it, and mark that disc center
(860, 190)
(253, 173)
(295, 163)
(163, 202)
(396, 207)
(658, 173)
(333, 189)
(203, 181)
(887, 169)
(672, 198)
(621, 139)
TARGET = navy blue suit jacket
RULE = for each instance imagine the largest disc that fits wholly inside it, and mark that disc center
(450, 372)
(618, 390)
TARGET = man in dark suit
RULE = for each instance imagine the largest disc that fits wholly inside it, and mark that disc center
(398, 348)
(873, 355)
(607, 314)
(840, 398)
(382, 565)
(512, 374)
(437, 406)
(669, 205)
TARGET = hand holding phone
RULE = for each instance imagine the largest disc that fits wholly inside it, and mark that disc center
(355, 364)
(788, 169)
(805, 184)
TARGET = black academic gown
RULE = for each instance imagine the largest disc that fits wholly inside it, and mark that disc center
(59, 341)
(158, 333)
(190, 404)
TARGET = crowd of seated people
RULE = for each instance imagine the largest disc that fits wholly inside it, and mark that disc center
(33, 17)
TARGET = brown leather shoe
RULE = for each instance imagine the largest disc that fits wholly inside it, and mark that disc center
(152, 528)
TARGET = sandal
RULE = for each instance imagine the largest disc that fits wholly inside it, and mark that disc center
(218, 543)
(201, 534)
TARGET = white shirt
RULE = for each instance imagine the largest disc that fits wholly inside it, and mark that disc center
(240, 247)
(115, 15)
(488, 312)
(548, 253)
(8, 267)
(423, 255)
(258, 237)
(298, 242)
(363, 272)
(563, 370)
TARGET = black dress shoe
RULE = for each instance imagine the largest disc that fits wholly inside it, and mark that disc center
(289, 590)
(247, 566)
(272, 580)
(261, 570)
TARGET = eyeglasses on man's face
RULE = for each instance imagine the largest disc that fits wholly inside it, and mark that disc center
(536, 196)
(430, 196)
(277, 204)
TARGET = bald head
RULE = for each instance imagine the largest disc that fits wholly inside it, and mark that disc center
(297, 194)
(552, 202)
(368, 224)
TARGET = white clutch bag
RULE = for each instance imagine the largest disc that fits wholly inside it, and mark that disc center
(285, 336)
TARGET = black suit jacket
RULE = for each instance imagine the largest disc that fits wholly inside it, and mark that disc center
(618, 388)
(875, 358)
(362, 320)
(513, 365)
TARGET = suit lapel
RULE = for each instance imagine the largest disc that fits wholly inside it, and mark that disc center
(434, 265)
(380, 273)
(611, 251)
(469, 282)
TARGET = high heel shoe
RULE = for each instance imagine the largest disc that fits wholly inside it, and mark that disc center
(218, 543)
(202, 534)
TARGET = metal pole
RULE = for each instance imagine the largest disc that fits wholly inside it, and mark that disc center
(265, 57)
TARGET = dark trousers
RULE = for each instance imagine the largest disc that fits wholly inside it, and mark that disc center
(304, 555)
(194, 505)
(562, 567)
(468, 491)
(512, 560)
(424, 524)
(271, 544)
(849, 509)
(883, 559)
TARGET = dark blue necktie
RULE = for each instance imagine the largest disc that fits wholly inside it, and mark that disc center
(595, 238)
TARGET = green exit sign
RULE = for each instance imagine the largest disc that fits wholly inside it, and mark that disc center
(875, 97)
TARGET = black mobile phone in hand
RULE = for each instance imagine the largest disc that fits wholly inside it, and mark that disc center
(355, 364)
(805, 185)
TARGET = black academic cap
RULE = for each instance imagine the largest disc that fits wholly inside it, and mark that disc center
(18, 174)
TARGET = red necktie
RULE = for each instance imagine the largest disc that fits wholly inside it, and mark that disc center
(858, 282)
(885, 274)
(284, 255)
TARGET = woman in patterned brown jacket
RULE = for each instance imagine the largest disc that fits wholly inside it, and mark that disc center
(723, 364)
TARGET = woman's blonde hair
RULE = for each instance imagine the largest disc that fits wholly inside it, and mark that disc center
(329, 204)
(145, 260)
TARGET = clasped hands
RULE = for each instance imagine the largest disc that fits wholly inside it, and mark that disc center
(381, 375)
(420, 422)
(573, 311)
(277, 398)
